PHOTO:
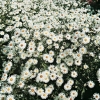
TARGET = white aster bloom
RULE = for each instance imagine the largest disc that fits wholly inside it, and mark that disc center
(59, 81)
(21, 84)
(44, 95)
(53, 76)
(96, 96)
(48, 90)
(39, 91)
(49, 41)
(70, 82)
(9, 89)
(22, 45)
(11, 79)
(74, 74)
(90, 84)
(4, 77)
(10, 97)
(78, 62)
(40, 48)
(86, 40)
(73, 93)
(67, 87)
(32, 90)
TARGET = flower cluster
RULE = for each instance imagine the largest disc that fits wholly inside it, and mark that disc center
(51, 50)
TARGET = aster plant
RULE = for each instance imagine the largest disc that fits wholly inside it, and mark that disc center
(50, 50)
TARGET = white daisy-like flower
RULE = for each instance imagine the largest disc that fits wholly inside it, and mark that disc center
(96, 96)
(64, 70)
(73, 93)
(49, 41)
(10, 55)
(50, 59)
(83, 50)
(90, 84)
(53, 76)
(74, 74)
(10, 97)
(39, 91)
(4, 77)
(70, 82)
(86, 40)
(59, 81)
(40, 48)
(67, 87)
(85, 66)
(22, 45)
(32, 90)
(78, 62)
(7, 69)
(45, 57)
(51, 53)
(9, 89)
(37, 34)
(11, 80)
(21, 84)
(68, 36)
(35, 61)
(31, 49)
(23, 55)
(61, 95)
(44, 95)
(48, 90)
(26, 73)
(3, 90)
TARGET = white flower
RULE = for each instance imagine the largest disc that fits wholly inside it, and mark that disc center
(10, 55)
(44, 95)
(49, 41)
(10, 97)
(64, 70)
(67, 87)
(62, 96)
(6, 37)
(78, 62)
(3, 90)
(74, 74)
(45, 57)
(9, 89)
(85, 66)
(53, 76)
(59, 81)
(4, 77)
(96, 96)
(35, 61)
(26, 73)
(39, 91)
(86, 40)
(83, 50)
(73, 93)
(21, 84)
(68, 36)
(40, 48)
(23, 55)
(31, 49)
(90, 84)
(22, 45)
(70, 82)
(48, 90)
(11, 80)
(50, 59)
(51, 53)
(7, 69)
(32, 90)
